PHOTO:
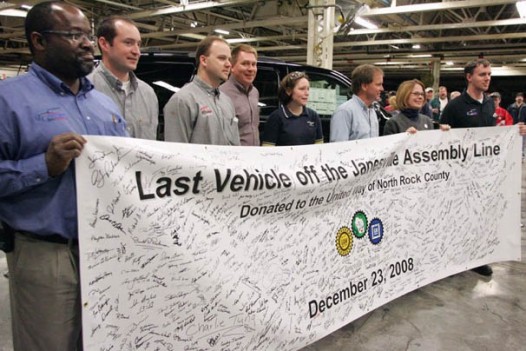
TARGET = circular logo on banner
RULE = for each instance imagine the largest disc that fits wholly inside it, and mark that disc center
(344, 241)
(359, 224)
(376, 231)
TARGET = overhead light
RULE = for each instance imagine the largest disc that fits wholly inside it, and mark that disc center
(13, 13)
(420, 56)
(395, 47)
(193, 36)
(26, 7)
(222, 31)
(166, 86)
(193, 24)
(365, 23)
(449, 63)
(416, 46)
(521, 7)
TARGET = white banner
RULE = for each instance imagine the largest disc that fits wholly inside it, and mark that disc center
(193, 247)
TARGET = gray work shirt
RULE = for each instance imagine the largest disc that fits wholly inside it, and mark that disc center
(353, 120)
(247, 110)
(139, 107)
(200, 114)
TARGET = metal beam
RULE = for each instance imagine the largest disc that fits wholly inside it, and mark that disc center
(262, 23)
(499, 36)
(435, 6)
(441, 26)
(170, 10)
(118, 4)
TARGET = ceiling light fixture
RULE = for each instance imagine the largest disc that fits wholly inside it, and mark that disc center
(416, 46)
(521, 7)
(222, 31)
(13, 13)
(365, 23)
(420, 56)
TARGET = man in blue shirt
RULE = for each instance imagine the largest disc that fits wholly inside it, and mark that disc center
(356, 118)
(44, 113)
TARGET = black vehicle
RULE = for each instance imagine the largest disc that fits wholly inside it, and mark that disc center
(168, 72)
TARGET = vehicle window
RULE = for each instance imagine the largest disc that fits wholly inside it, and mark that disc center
(165, 78)
(267, 82)
(326, 93)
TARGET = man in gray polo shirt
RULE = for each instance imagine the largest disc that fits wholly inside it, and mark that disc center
(119, 42)
(199, 113)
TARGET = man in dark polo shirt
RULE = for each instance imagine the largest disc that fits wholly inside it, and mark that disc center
(472, 108)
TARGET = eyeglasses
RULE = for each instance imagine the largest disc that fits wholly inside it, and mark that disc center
(418, 94)
(73, 36)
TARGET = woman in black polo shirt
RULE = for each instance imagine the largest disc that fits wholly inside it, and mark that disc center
(293, 123)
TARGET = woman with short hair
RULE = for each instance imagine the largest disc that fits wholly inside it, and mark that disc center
(410, 97)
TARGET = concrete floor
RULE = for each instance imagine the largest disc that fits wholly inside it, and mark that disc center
(462, 312)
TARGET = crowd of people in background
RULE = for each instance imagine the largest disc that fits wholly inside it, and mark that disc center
(219, 107)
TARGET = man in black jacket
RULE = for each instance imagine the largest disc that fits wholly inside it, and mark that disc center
(515, 108)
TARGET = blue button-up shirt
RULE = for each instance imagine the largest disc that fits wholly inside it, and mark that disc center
(353, 120)
(35, 107)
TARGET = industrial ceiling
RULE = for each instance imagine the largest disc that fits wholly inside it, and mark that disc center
(450, 32)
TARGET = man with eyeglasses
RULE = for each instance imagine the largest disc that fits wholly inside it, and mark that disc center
(356, 118)
(199, 113)
(44, 114)
(119, 42)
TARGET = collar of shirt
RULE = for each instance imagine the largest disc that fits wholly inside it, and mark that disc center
(55, 84)
(361, 103)
(468, 97)
(114, 81)
(240, 86)
(209, 90)
(287, 113)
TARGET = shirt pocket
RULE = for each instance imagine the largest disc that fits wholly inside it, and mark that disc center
(116, 127)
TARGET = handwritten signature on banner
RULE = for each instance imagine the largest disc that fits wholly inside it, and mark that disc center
(188, 247)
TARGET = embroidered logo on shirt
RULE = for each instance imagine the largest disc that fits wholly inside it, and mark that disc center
(54, 114)
(205, 110)
(310, 123)
(472, 112)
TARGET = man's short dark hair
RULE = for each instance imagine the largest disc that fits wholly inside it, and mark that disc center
(519, 94)
(363, 74)
(107, 30)
(39, 19)
(470, 66)
(203, 48)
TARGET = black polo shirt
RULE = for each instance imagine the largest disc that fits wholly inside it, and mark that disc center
(284, 128)
(466, 112)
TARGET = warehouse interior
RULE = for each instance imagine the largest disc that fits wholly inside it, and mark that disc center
(399, 35)
(426, 39)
